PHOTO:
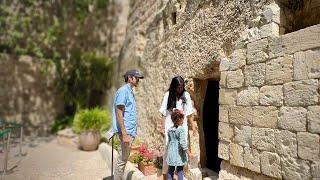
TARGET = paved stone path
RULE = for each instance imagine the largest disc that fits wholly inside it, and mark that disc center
(45, 159)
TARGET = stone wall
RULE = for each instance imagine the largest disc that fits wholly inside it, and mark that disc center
(270, 97)
(269, 84)
(28, 93)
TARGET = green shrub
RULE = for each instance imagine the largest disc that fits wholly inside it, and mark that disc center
(91, 119)
(61, 123)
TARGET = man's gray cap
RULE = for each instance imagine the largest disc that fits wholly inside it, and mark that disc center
(134, 73)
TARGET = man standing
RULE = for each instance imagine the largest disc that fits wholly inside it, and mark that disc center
(124, 119)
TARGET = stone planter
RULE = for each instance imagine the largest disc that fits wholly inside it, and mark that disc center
(89, 140)
(147, 169)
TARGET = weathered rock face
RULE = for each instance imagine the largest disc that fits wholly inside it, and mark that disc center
(269, 83)
(28, 94)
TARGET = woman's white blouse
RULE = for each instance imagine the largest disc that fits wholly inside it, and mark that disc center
(186, 107)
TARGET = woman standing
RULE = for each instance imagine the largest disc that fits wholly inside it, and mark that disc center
(176, 97)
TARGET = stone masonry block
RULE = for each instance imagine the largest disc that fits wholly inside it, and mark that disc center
(275, 46)
(241, 115)
(271, 29)
(227, 96)
(271, 95)
(265, 116)
(252, 159)
(271, 13)
(315, 169)
(242, 135)
(257, 51)
(223, 113)
(306, 65)
(270, 164)
(225, 132)
(313, 118)
(293, 118)
(309, 37)
(224, 64)
(238, 59)
(235, 79)
(236, 155)
(308, 146)
(254, 74)
(279, 70)
(290, 43)
(223, 79)
(300, 69)
(286, 143)
(223, 150)
(263, 139)
(248, 96)
(293, 168)
(301, 93)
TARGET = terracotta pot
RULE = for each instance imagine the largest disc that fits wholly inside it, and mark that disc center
(147, 169)
(89, 140)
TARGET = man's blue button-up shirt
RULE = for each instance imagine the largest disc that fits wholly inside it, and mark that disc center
(124, 96)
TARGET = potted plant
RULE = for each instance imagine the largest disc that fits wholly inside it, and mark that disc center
(144, 159)
(88, 123)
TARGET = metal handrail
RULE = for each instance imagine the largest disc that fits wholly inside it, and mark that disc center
(12, 125)
(7, 133)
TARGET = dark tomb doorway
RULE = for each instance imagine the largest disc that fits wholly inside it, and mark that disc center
(210, 125)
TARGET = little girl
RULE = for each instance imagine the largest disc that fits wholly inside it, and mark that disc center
(177, 146)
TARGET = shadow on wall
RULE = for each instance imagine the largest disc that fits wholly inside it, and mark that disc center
(298, 14)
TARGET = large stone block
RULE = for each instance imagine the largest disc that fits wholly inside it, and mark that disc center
(270, 164)
(238, 59)
(236, 155)
(255, 74)
(301, 93)
(225, 132)
(286, 143)
(223, 150)
(257, 51)
(248, 96)
(291, 42)
(242, 135)
(309, 37)
(308, 146)
(241, 115)
(300, 69)
(293, 118)
(271, 29)
(265, 116)
(224, 113)
(295, 169)
(271, 95)
(263, 139)
(235, 79)
(279, 70)
(306, 65)
(275, 46)
(224, 64)
(252, 159)
(313, 118)
(315, 169)
(227, 96)
(223, 79)
(271, 13)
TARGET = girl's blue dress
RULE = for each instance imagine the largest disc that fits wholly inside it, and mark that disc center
(177, 147)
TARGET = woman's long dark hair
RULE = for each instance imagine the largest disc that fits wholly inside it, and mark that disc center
(175, 82)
